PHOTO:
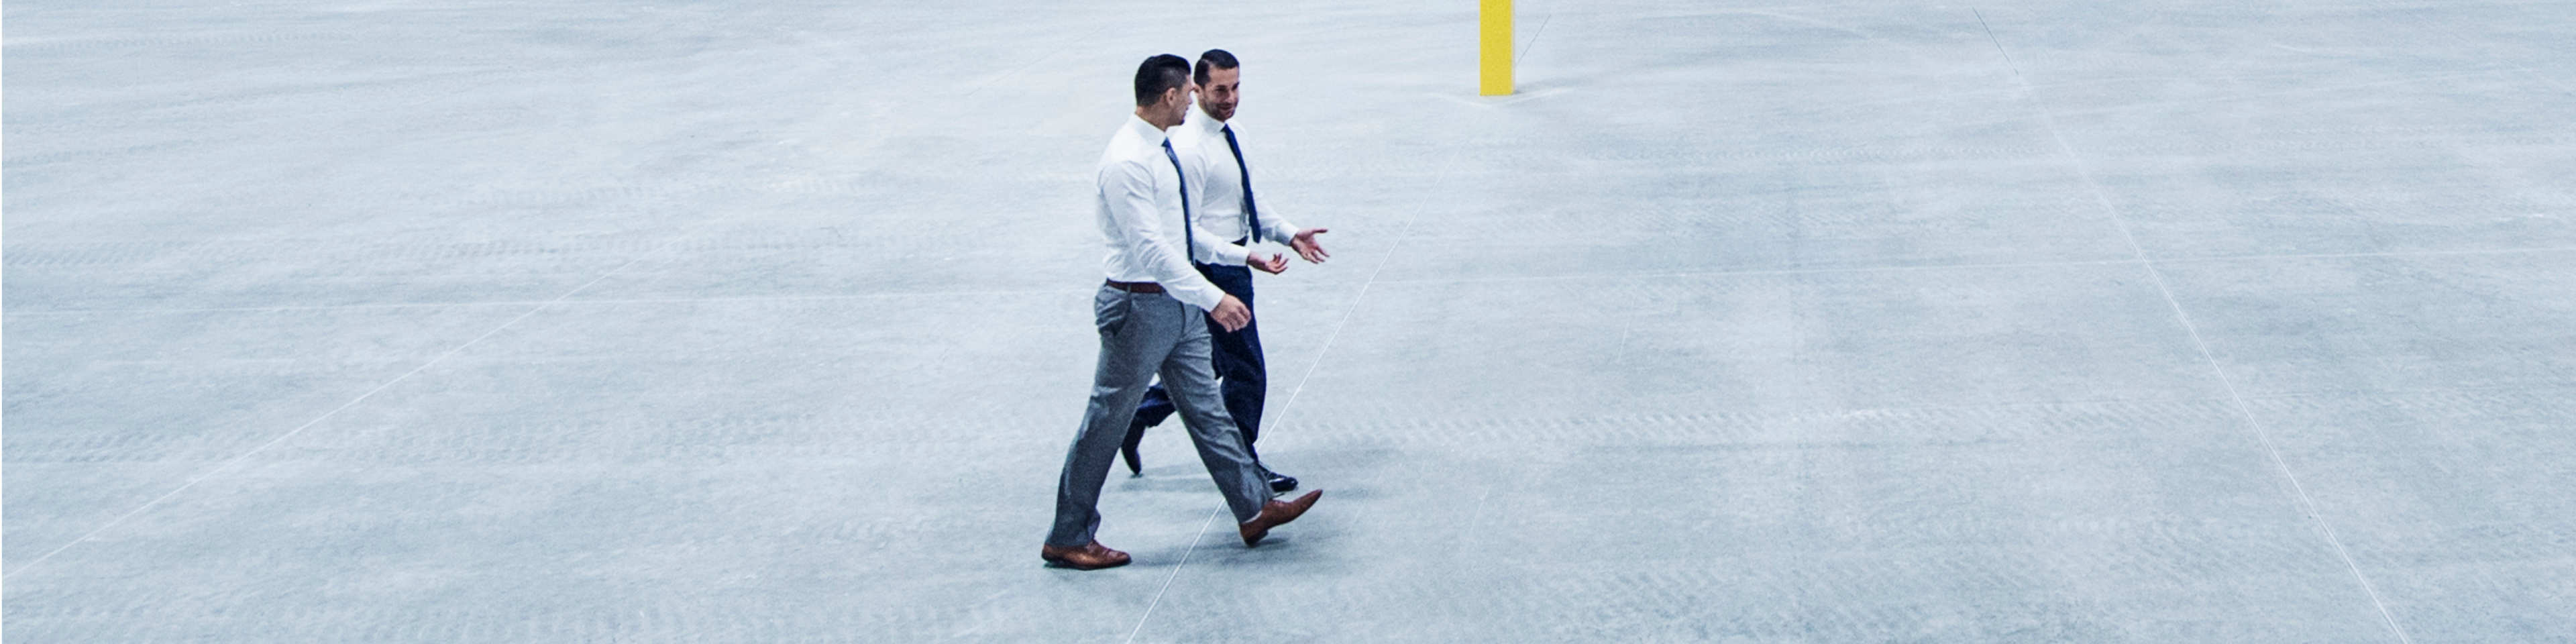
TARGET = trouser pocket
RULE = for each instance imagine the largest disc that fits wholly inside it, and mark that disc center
(1109, 311)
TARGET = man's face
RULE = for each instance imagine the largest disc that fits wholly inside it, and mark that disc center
(1223, 90)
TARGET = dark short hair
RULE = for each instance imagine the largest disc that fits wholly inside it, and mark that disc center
(1159, 74)
(1213, 60)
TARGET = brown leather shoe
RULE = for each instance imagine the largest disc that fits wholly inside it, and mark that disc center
(1091, 556)
(1275, 514)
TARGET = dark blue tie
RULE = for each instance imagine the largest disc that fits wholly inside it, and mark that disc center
(1251, 224)
(1189, 244)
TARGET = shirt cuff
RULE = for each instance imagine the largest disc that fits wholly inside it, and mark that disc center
(1199, 293)
(1283, 232)
(1228, 254)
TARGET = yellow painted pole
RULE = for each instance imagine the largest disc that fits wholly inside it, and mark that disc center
(1494, 49)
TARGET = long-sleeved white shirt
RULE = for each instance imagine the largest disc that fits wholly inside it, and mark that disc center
(1141, 217)
(1216, 188)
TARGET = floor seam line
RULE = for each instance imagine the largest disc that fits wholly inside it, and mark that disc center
(1176, 574)
(228, 464)
(1520, 56)
(2307, 503)
(1468, 280)
(1284, 407)
(1998, 42)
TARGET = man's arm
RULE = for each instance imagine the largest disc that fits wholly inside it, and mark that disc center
(1216, 252)
(1232, 254)
(1273, 227)
(1269, 225)
(1128, 189)
(1266, 219)
(1211, 249)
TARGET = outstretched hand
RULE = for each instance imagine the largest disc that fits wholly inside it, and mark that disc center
(1304, 244)
(1274, 265)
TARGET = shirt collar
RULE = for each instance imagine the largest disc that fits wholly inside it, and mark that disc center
(1152, 135)
(1206, 124)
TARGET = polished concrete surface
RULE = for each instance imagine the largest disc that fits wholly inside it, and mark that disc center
(590, 321)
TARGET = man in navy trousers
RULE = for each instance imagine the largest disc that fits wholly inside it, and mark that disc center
(1221, 181)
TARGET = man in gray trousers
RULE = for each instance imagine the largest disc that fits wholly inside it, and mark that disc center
(1149, 318)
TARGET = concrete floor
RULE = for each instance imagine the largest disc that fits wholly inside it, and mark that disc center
(591, 321)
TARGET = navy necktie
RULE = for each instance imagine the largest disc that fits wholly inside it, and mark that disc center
(1251, 223)
(1188, 243)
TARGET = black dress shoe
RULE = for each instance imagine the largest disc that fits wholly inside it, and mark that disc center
(1135, 435)
(1281, 483)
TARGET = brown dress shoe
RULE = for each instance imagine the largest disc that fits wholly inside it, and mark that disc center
(1091, 556)
(1275, 514)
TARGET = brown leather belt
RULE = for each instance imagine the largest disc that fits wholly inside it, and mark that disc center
(1136, 287)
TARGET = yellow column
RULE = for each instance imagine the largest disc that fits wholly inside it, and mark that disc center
(1494, 51)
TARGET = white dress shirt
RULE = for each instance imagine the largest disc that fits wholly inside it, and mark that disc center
(1217, 191)
(1140, 215)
